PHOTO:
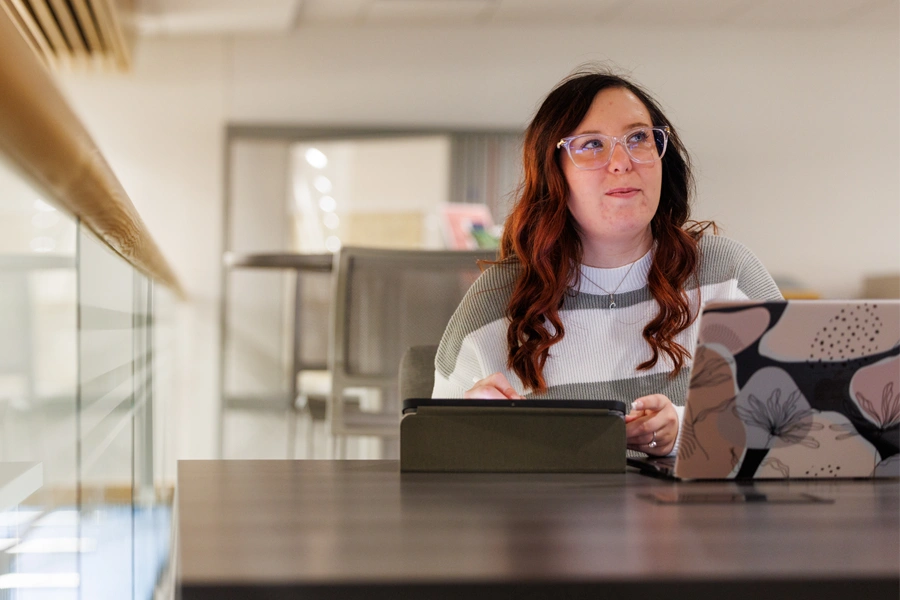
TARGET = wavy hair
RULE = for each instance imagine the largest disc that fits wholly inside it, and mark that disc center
(542, 235)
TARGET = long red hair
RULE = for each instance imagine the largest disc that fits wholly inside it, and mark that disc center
(542, 236)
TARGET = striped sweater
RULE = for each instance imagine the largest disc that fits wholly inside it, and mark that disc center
(602, 346)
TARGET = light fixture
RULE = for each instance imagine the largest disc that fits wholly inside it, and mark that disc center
(327, 203)
(316, 158)
(331, 220)
(322, 183)
(332, 243)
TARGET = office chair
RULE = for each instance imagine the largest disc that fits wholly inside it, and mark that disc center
(384, 302)
(417, 372)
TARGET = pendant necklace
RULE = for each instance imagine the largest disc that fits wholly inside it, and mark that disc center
(612, 294)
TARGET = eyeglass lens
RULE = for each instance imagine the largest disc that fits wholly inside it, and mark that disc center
(594, 150)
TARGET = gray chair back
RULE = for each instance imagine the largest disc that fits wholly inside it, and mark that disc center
(417, 372)
(386, 301)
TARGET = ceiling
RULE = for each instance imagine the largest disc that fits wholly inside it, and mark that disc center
(236, 17)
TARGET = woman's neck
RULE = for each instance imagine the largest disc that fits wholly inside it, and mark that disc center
(609, 254)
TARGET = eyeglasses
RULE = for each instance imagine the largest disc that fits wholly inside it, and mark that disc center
(591, 151)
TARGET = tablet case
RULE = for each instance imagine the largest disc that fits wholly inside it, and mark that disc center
(512, 439)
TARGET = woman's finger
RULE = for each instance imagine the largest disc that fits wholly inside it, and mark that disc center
(654, 421)
(493, 387)
(640, 440)
(484, 392)
(647, 426)
(652, 403)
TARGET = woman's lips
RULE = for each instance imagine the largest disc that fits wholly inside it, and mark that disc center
(626, 192)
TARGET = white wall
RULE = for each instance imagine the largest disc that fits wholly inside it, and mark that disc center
(161, 128)
(795, 133)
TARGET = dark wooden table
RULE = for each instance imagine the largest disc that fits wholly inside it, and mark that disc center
(361, 529)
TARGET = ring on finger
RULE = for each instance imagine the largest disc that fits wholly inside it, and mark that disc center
(652, 443)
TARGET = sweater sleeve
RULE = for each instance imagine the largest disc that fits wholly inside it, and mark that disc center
(754, 280)
(465, 373)
(679, 410)
(724, 259)
(473, 343)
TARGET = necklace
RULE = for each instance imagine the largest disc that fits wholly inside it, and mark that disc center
(612, 294)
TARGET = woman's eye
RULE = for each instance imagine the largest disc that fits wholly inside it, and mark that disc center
(638, 137)
(590, 144)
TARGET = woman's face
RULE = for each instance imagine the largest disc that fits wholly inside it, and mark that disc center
(617, 202)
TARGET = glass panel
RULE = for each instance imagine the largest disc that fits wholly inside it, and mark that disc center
(153, 512)
(146, 557)
(107, 374)
(163, 389)
(38, 382)
(78, 356)
(382, 192)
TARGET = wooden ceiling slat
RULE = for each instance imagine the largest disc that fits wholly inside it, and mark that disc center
(49, 26)
(86, 20)
(111, 31)
(74, 32)
(69, 28)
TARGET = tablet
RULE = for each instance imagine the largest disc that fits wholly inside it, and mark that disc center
(613, 406)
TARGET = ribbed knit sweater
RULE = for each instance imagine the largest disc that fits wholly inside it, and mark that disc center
(602, 347)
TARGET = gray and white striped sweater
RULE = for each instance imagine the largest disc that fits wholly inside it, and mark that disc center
(602, 347)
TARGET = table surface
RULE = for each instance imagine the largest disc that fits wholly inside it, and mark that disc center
(298, 524)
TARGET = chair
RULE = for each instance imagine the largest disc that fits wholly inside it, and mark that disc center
(386, 301)
(417, 372)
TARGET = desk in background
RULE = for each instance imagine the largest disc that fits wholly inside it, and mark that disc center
(361, 529)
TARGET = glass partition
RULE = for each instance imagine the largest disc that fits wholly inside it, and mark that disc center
(85, 500)
(107, 361)
(38, 390)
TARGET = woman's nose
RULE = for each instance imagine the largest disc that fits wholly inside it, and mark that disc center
(619, 159)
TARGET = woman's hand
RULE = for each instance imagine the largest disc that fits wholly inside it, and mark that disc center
(652, 425)
(493, 387)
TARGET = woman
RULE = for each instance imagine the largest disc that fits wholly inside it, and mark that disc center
(601, 274)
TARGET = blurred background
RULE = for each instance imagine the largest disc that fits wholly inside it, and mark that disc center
(789, 108)
(246, 132)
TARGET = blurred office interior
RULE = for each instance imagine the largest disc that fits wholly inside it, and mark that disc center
(231, 137)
